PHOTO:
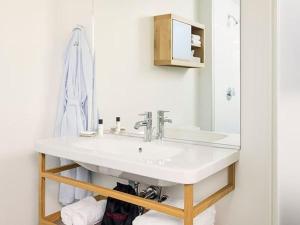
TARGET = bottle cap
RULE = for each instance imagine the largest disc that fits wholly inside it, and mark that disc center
(118, 119)
(100, 121)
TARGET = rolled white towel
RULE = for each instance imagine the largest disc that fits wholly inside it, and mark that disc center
(153, 217)
(85, 212)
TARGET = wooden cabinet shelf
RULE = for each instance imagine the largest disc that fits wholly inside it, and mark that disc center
(173, 42)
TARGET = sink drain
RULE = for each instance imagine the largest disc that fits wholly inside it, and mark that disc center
(140, 150)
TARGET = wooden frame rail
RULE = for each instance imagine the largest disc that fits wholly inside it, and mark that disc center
(187, 214)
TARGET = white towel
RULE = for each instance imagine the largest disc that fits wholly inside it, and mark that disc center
(196, 42)
(153, 217)
(85, 212)
(196, 37)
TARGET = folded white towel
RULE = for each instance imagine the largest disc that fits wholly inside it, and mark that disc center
(196, 37)
(196, 42)
(153, 217)
(85, 212)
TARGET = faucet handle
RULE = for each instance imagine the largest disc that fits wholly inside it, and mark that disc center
(161, 113)
(147, 115)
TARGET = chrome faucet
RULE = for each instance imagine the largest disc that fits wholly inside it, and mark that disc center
(161, 120)
(147, 124)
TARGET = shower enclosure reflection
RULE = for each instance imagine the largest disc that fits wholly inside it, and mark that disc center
(226, 65)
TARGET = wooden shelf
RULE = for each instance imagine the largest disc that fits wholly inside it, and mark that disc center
(180, 63)
(166, 41)
(56, 221)
(187, 213)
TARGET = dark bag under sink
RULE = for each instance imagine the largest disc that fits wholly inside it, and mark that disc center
(118, 212)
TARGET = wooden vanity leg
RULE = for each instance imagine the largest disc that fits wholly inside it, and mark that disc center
(188, 204)
(42, 181)
(231, 175)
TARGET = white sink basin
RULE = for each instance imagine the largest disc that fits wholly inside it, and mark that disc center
(156, 163)
(132, 149)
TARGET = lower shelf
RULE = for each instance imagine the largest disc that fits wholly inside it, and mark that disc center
(55, 218)
(61, 223)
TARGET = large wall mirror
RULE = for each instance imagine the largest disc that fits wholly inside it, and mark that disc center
(203, 103)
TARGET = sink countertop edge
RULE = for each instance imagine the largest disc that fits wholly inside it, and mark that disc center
(180, 176)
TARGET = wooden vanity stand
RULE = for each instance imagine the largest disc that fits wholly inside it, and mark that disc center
(187, 214)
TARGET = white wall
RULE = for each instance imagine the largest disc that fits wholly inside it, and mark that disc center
(28, 86)
(67, 15)
(29, 73)
(32, 41)
(288, 110)
(127, 87)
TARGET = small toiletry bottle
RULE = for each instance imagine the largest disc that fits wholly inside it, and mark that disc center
(100, 128)
(118, 124)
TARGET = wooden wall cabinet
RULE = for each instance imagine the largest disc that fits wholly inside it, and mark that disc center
(173, 42)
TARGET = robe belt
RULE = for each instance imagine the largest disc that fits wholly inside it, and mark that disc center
(74, 102)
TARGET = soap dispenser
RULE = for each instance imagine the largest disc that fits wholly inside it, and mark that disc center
(118, 124)
(100, 128)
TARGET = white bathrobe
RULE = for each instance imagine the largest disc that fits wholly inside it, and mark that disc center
(77, 109)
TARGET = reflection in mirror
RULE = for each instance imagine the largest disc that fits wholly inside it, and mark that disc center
(144, 66)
